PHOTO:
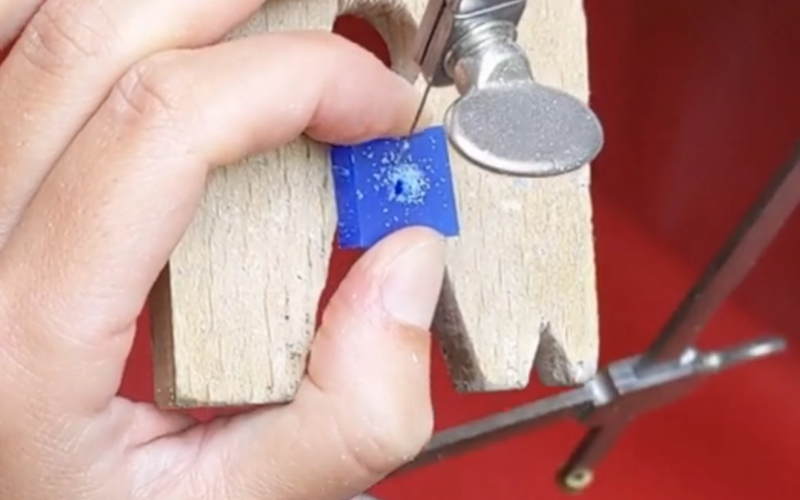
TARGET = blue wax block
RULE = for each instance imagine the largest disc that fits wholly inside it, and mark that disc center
(388, 184)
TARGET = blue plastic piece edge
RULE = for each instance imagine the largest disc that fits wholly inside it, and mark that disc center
(388, 184)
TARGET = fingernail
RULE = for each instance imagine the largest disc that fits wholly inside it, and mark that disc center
(412, 283)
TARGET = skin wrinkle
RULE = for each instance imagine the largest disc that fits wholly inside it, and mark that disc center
(153, 93)
(63, 28)
(149, 475)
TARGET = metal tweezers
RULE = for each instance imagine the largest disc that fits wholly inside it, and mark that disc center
(666, 371)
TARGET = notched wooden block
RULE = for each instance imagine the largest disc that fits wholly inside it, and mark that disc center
(520, 292)
(233, 314)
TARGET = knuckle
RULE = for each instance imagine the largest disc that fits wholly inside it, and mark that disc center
(389, 436)
(152, 91)
(63, 32)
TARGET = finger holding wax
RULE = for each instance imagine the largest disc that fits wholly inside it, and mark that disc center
(66, 60)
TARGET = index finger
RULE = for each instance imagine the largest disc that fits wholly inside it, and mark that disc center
(13, 16)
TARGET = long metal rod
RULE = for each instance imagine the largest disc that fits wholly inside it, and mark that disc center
(733, 262)
(735, 259)
(474, 435)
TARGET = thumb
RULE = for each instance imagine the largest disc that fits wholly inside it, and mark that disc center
(364, 408)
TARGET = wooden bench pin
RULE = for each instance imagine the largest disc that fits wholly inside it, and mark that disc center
(233, 315)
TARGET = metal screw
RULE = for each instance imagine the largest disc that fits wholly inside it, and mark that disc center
(576, 481)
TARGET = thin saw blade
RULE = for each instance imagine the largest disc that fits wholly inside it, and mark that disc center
(421, 107)
(432, 29)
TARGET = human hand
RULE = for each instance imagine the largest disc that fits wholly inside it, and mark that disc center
(111, 116)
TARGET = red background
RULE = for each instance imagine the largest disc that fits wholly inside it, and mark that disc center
(700, 102)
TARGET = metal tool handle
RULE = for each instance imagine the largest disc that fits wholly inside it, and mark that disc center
(503, 120)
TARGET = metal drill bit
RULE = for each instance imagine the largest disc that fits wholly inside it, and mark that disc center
(434, 30)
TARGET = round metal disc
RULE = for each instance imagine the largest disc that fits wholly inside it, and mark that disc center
(524, 130)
